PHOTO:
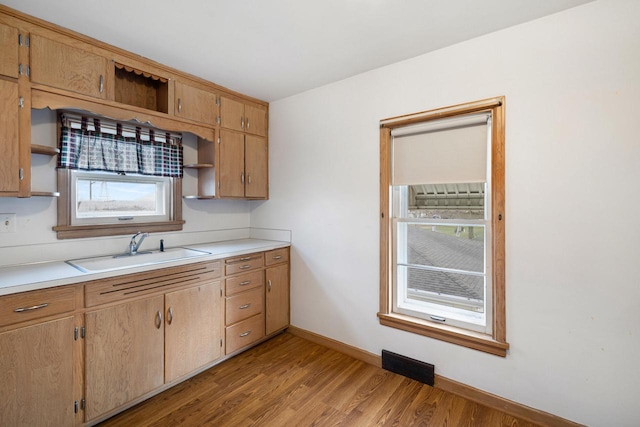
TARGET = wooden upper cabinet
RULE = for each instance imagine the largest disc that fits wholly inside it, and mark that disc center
(242, 117)
(255, 121)
(66, 67)
(255, 166)
(8, 51)
(231, 164)
(195, 104)
(231, 114)
(9, 144)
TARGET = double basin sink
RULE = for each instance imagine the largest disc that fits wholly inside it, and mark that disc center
(117, 262)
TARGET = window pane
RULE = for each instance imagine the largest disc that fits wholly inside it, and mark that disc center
(461, 291)
(104, 198)
(446, 201)
(458, 247)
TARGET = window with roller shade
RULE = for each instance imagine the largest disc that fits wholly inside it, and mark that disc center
(444, 245)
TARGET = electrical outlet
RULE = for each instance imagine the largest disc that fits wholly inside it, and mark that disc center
(7, 223)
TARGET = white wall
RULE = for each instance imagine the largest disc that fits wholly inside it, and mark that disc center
(572, 87)
(34, 239)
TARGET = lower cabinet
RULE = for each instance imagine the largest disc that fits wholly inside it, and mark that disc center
(136, 347)
(277, 298)
(192, 330)
(124, 354)
(36, 375)
(65, 363)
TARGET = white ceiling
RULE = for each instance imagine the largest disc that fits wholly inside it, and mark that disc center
(270, 49)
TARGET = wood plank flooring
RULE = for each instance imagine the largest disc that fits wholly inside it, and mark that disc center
(289, 381)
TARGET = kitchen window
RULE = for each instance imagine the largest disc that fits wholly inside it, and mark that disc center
(442, 224)
(117, 178)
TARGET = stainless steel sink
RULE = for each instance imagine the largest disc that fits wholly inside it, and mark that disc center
(117, 262)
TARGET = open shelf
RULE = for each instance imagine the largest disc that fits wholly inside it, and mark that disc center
(194, 197)
(198, 166)
(44, 149)
(45, 194)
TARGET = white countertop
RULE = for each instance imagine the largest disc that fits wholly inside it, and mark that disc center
(29, 277)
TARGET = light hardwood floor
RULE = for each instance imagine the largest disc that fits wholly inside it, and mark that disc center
(289, 381)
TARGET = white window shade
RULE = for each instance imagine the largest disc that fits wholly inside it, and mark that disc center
(442, 151)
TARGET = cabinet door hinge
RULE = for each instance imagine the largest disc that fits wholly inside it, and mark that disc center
(23, 40)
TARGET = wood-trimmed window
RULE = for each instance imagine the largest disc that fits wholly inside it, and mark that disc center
(117, 178)
(442, 234)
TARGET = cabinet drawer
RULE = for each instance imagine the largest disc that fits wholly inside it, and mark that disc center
(245, 263)
(244, 333)
(36, 304)
(244, 282)
(276, 256)
(244, 305)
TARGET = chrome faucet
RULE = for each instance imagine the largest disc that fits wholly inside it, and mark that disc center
(133, 245)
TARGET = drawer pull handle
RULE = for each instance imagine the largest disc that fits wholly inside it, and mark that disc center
(245, 283)
(245, 258)
(244, 267)
(33, 307)
(245, 334)
(277, 257)
(242, 307)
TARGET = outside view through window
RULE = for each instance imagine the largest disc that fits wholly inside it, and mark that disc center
(443, 260)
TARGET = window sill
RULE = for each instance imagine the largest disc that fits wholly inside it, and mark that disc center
(79, 231)
(446, 333)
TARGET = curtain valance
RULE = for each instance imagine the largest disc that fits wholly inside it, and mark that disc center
(94, 144)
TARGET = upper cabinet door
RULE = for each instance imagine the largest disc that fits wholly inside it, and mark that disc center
(8, 51)
(9, 143)
(256, 170)
(231, 164)
(195, 104)
(231, 114)
(255, 120)
(243, 117)
(66, 67)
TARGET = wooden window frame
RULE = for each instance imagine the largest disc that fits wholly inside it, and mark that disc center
(65, 230)
(494, 343)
